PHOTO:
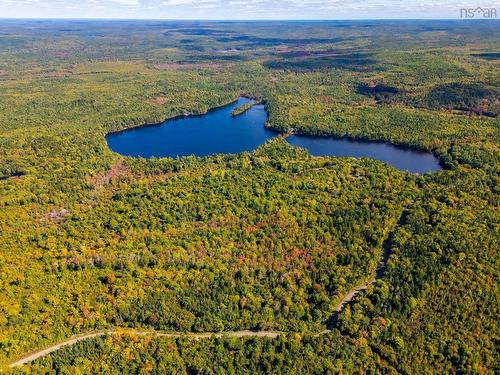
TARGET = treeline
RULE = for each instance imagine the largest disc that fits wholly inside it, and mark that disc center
(124, 354)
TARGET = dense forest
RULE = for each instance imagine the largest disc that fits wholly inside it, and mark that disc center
(266, 240)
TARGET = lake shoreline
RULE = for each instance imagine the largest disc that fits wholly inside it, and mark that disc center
(178, 117)
(205, 146)
(362, 139)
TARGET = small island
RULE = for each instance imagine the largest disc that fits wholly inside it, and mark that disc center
(244, 107)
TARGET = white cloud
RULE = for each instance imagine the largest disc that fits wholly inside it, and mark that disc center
(126, 2)
(234, 9)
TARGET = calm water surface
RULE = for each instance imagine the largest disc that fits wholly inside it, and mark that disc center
(218, 132)
(402, 158)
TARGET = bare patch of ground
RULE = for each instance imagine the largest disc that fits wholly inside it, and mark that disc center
(57, 214)
(116, 171)
(158, 101)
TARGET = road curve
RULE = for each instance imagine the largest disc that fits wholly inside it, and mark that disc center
(332, 322)
(194, 336)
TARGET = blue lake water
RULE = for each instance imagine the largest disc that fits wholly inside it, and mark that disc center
(402, 158)
(217, 132)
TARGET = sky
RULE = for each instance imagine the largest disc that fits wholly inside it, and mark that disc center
(238, 9)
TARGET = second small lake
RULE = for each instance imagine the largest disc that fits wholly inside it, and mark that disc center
(402, 158)
(217, 132)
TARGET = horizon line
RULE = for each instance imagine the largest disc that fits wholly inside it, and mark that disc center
(243, 19)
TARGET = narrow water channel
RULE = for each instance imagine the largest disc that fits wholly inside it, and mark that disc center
(217, 132)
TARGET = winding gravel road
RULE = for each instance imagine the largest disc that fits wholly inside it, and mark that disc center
(196, 336)
(332, 322)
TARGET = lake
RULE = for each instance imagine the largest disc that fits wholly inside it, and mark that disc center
(402, 158)
(217, 132)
